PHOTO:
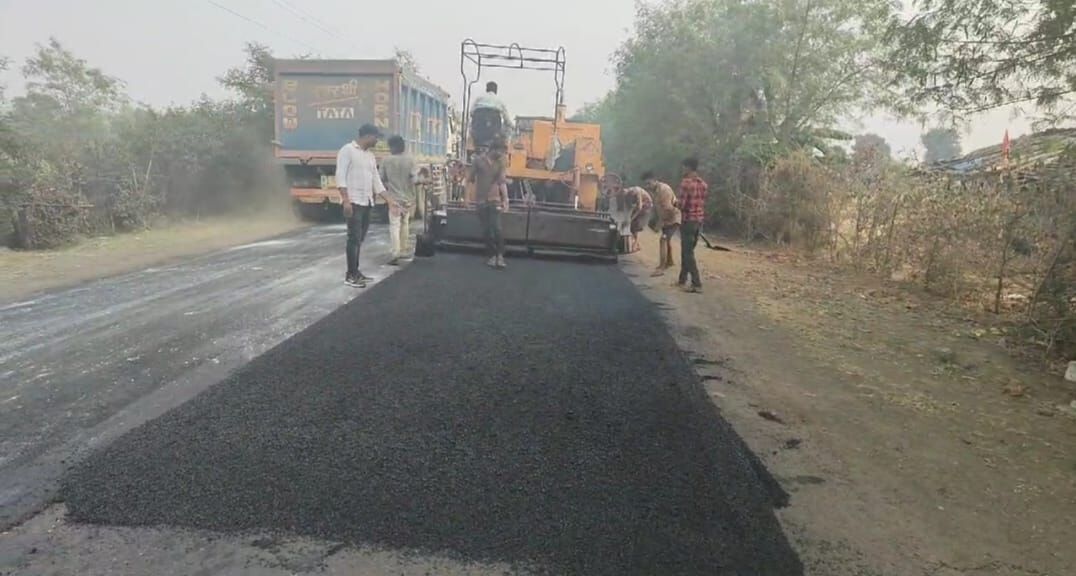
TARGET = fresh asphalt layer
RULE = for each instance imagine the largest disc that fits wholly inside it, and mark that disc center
(540, 416)
(81, 366)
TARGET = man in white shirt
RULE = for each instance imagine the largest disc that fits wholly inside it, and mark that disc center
(481, 121)
(358, 180)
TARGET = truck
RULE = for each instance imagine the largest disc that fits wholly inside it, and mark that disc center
(319, 107)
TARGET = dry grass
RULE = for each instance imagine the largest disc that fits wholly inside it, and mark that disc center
(909, 438)
(997, 242)
(29, 272)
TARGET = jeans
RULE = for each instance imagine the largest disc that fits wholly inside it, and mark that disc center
(400, 230)
(357, 225)
(689, 237)
(489, 214)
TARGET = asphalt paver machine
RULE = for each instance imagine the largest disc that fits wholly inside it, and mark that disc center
(554, 170)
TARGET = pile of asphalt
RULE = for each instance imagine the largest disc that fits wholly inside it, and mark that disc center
(540, 415)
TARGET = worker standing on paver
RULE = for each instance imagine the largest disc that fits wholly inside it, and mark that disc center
(489, 117)
(488, 173)
(693, 191)
(358, 181)
(667, 219)
(400, 175)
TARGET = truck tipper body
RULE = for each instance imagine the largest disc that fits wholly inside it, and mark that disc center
(320, 105)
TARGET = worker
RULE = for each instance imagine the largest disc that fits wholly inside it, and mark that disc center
(621, 212)
(488, 173)
(609, 184)
(456, 174)
(400, 175)
(358, 181)
(641, 206)
(666, 219)
(489, 117)
(693, 191)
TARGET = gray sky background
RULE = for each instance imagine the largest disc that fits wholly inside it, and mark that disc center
(171, 51)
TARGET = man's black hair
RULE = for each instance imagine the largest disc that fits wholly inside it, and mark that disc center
(369, 130)
(691, 163)
(648, 175)
(491, 87)
(397, 145)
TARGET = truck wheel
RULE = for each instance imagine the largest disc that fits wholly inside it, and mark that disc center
(310, 212)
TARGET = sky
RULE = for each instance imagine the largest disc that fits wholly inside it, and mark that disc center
(171, 51)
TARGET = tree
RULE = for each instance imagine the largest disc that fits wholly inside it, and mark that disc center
(253, 82)
(68, 83)
(870, 148)
(3, 68)
(696, 78)
(967, 56)
(53, 73)
(407, 61)
(62, 122)
(941, 144)
(75, 137)
(8, 147)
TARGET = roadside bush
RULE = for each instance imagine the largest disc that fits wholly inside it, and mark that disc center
(76, 157)
(1001, 242)
(793, 204)
(49, 219)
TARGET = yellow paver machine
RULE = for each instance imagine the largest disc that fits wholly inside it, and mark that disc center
(554, 169)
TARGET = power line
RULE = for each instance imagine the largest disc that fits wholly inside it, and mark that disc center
(314, 21)
(306, 18)
(263, 26)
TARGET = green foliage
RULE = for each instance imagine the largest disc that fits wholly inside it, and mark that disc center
(4, 63)
(941, 144)
(77, 157)
(871, 148)
(971, 55)
(253, 83)
(740, 84)
(55, 75)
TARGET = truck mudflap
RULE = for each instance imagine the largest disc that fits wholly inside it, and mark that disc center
(536, 228)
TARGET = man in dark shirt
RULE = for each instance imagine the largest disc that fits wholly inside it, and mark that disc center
(488, 175)
(692, 199)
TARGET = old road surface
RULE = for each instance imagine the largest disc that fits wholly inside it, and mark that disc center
(538, 418)
(80, 366)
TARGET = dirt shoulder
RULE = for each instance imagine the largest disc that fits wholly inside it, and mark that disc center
(25, 273)
(911, 441)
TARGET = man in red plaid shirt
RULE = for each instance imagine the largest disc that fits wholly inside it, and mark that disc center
(692, 200)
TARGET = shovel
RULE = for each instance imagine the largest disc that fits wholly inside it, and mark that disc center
(711, 245)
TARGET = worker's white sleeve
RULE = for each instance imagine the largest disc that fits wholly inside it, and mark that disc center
(343, 164)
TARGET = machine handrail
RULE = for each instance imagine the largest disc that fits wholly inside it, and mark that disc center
(507, 56)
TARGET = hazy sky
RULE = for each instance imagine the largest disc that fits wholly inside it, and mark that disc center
(170, 51)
